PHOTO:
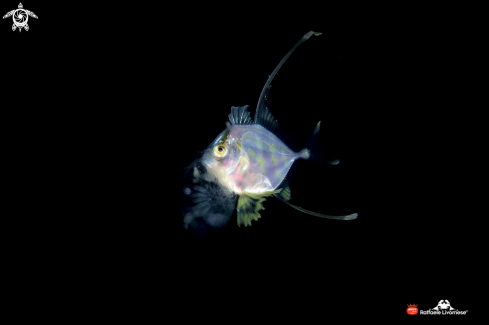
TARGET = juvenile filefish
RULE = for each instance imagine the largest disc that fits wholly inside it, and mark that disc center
(246, 162)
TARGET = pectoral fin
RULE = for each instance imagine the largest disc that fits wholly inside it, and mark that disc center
(249, 205)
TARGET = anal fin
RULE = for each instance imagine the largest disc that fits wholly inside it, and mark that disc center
(285, 192)
(347, 217)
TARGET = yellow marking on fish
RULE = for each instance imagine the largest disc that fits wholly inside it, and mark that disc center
(244, 163)
(278, 174)
(251, 153)
(258, 143)
(284, 158)
(274, 159)
(261, 162)
(272, 147)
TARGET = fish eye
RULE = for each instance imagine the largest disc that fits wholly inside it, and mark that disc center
(220, 150)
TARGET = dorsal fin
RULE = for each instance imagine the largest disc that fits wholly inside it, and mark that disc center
(266, 118)
(260, 108)
(240, 115)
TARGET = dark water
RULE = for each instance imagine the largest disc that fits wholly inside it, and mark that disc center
(124, 113)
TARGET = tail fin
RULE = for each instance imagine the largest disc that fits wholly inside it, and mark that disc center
(306, 152)
(315, 153)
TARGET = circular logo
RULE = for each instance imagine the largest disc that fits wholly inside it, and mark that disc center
(20, 17)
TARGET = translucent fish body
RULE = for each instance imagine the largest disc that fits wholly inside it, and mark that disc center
(257, 162)
(243, 166)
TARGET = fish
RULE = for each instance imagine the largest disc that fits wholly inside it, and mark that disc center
(244, 165)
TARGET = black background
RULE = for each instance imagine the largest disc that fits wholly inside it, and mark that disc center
(101, 116)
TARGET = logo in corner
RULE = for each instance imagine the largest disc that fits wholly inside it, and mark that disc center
(412, 309)
(20, 17)
(443, 308)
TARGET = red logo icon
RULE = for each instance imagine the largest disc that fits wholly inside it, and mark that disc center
(412, 309)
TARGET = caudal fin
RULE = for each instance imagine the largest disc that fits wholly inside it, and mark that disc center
(306, 152)
(314, 152)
